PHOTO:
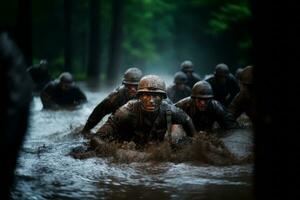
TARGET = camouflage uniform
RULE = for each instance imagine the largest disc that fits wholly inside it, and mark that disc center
(54, 97)
(244, 100)
(147, 118)
(114, 100)
(224, 92)
(178, 90)
(213, 112)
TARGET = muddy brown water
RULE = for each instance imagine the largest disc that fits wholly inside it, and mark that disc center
(46, 170)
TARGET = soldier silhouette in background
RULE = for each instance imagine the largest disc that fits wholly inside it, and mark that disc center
(62, 93)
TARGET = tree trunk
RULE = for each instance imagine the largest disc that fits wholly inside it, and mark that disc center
(115, 42)
(93, 68)
(68, 39)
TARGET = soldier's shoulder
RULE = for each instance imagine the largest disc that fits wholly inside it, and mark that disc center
(197, 76)
(208, 77)
(117, 92)
(232, 78)
(216, 105)
(184, 102)
(131, 105)
(170, 86)
(52, 84)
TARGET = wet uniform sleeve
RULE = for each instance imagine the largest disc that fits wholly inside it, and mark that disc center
(224, 118)
(235, 108)
(180, 117)
(113, 126)
(103, 108)
(47, 97)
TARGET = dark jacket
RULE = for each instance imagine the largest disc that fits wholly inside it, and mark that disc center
(243, 102)
(54, 97)
(175, 94)
(131, 123)
(203, 121)
(193, 79)
(224, 93)
(108, 105)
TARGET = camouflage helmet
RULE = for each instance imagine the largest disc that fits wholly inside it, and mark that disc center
(152, 84)
(246, 76)
(132, 76)
(187, 66)
(180, 77)
(221, 69)
(202, 89)
(66, 77)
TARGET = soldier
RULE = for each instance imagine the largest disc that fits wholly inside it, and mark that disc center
(187, 68)
(224, 84)
(40, 75)
(62, 93)
(116, 99)
(204, 110)
(238, 73)
(178, 90)
(244, 100)
(144, 119)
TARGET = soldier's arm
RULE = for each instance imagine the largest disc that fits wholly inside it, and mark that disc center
(235, 108)
(47, 97)
(106, 106)
(180, 117)
(112, 127)
(224, 118)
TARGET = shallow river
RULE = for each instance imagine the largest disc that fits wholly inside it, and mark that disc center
(46, 171)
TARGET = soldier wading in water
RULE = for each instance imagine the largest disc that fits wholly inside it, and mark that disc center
(145, 119)
(116, 99)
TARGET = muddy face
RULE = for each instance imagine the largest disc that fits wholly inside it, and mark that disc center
(131, 89)
(201, 104)
(150, 101)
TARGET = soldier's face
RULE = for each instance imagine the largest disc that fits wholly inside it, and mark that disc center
(221, 77)
(150, 101)
(132, 89)
(201, 104)
(65, 86)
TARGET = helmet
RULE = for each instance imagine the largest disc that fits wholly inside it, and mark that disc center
(132, 76)
(202, 89)
(66, 77)
(180, 77)
(246, 76)
(152, 84)
(187, 66)
(221, 69)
